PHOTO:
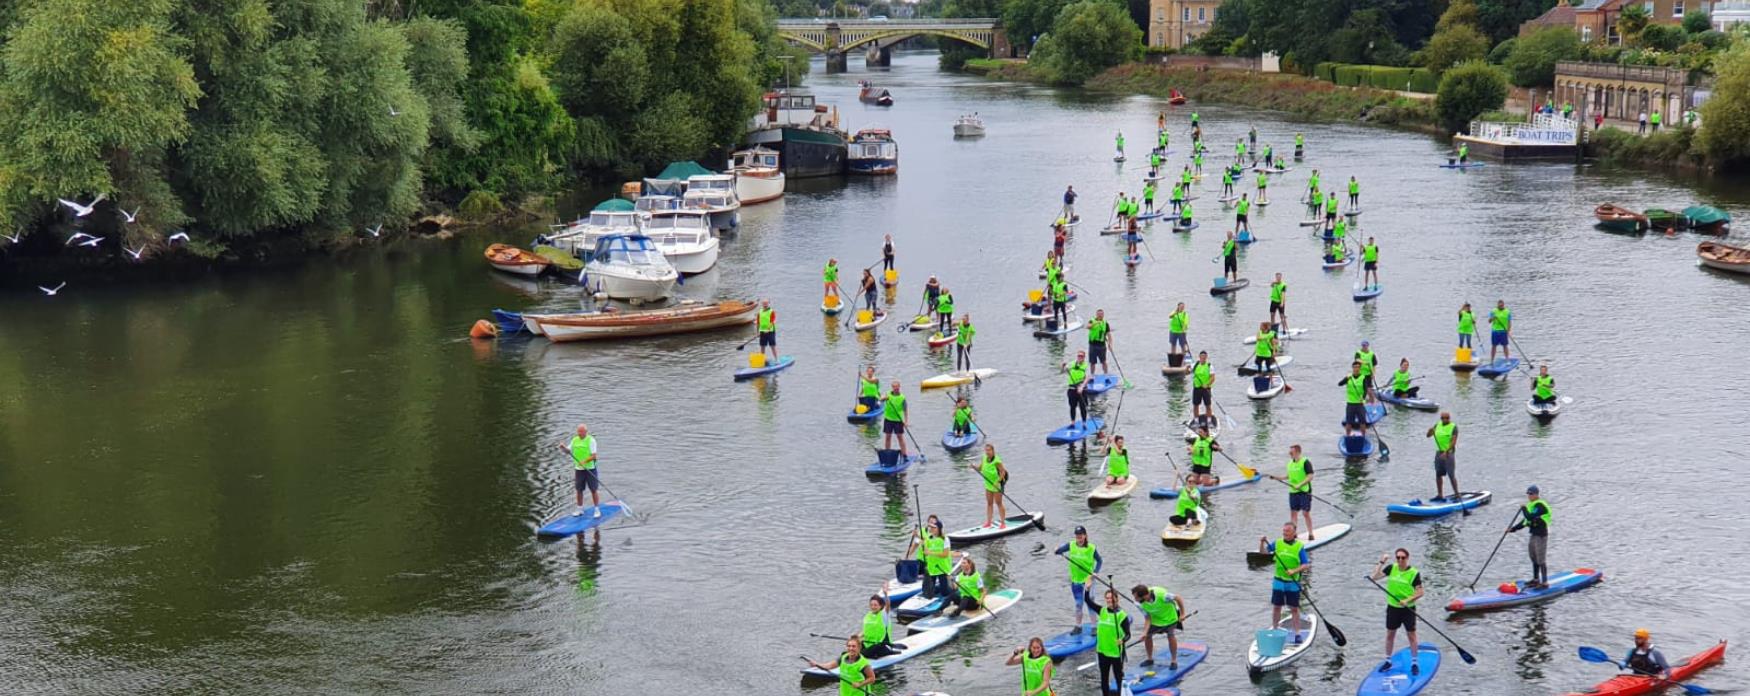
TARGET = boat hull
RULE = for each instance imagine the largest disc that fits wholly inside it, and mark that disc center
(692, 260)
(621, 286)
(522, 269)
(587, 327)
(752, 189)
(874, 166)
(967, 131)
(803, 152)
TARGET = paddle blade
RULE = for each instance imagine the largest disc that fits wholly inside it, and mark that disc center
(1694, 689)
(1336, 635)
(1591, 654)
(1465, 655)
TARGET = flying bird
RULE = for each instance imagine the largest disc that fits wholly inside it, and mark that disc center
(83, 210)
(178, 237)
(51, 293)
(135, 252)
(375, 231)
(128, 215)
(92, 242)
(76, 237)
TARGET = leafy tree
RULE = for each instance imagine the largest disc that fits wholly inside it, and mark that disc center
(1661, 37)
(1725, 117)
(1467, 91)
(1633, 19)
(1499, 53)
(1459, 13)
(1500, 19)
(1231, 22)
(956, 53)
(1697, 21)
(1088, 37)
(1026, 21)
(1452, 45)
(1532, 62)
(1367, 37)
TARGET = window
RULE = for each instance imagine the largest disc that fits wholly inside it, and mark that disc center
(1586, 34)
(1161, 14)
(1200, 14)
(1160, 38)
(1187, 14)
(1677, 9)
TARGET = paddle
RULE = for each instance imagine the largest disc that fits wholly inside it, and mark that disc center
(1120, 366)
(1038, 522)
(744, 343)
(1280, 370)
(1131, 644)
(1336, 633)
(1591, 654)
(840, 639)
(1463, 654)
(923, 301)
(1245, 471)
(1315, 496)
(1145, 247)
(1516, 513)
(1384, 449)
(1231, 423)
(914, 441)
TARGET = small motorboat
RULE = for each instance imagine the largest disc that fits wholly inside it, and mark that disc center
(969, 126)
(612, 216)
(715, 195)
(509, 259)
(873, 151)
(1614, 217)
(1662, 219)
(868, 93)
(629, 267)
(1176, 98)
(758, 176)
(1724, 257)
(684, 238)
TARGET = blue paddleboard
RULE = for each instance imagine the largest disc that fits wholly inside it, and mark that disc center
(1100, 384)
(567, 525)
(1396, 679)
(752, 372)
(1519, 593)
(1368, 292)
(1245, 237)
(1157, 675)
(888, 463)
(1498, 368)
(1072, 433)
(961, 443)
(1467, 165)
(1374, 412)
(1416, 402)
(1066, 644)
(1438, 507)
(930, 607)
(873, 413)
(1170, 493)
(1355, 445)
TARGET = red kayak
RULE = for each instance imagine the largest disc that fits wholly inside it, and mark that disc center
(1629, 685)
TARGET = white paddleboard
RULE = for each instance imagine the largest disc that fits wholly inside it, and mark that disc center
(910, 646)
(952, 379)
(1187, 534)
(1288, 335)
(879, 318)
(1105, 492)
(1276, 386)
(1308, 628)
(994, 603)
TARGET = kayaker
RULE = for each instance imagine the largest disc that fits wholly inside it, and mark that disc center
(1291, 563)
(1188, 507)
(887, 253)
(1263, 187)
(1400, 381)
(1242, 213)
(1111, 633)
(963, 344)
(1445, 434)
(962, 417)
(1369, 362)
(1264, 347)
(1403, 586)
(1534, 515)
(1099, 335)
(1354, 193)
(829, 278)
(1117, 462)
(1203, 450)
(1354, 400)
(895, 418)
(1076, 391)
(1299, 479)
(1543, 387)
(583, 460)
(991, 470)
(1370, 262)
(1202, 381)
(1644, 659)
(1162, 611)
(1230, 259)
(768, 328)
(1084, 562)
(868, 390)
(1500, 330)
(945, 312)
(876, 628)
(1036, 668)
(1060, 300)
(1177, 324)
(938, 557)
(855, 673)
(868, 288)
(1069, 204)
(1279, 304)
(968, 587)
(1467, 325)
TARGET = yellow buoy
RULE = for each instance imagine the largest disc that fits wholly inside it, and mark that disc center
(831, 301)
(865, 316)
(756, 360)
(1034, 296)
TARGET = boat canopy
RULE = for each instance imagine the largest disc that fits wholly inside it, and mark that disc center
(614, 205)
(634, 249)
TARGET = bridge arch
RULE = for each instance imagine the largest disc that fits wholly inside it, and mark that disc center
(835, 37)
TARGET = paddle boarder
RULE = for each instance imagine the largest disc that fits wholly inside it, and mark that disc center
(895, 418)
(877, 624)
(1069, 204)
(1331, 210)
(1177, 199)
(938, 557)
(583, 459)
(1120, 143)
(829, 277)
(1036, 668)
(1264, 348)
(1269, 157)
(1076, 392)
(1263, 187)
(855, 673)
(887, 253)
(1467, 325)
(1534, 515)
(1185, 217)
(1177, 324)
(1060, 301)
(868, 390)
(1370, 262)
(1084, 562)
(1646, 660)
(945, 312)
(1279, 304)
(963, 344)
(1403, 586)
(1291, 561)
(768, 328)
(1154, 164)
(1230, 260)
(1400, 381)
(1369, 362)
(1299, 145)
(1312, 188)
(1445, 434)
(932, 290)
(1162, 611)
(968, 587)
(1354, 194)
(1197, 162)
(1099, 335)
(1111, 633)
(1543, 387)
(1148, 197)
(1333, 252)
(1463, 154)
(991, 470)
(868, 288)
(1202, 379)
(1299, 479)
(1242, 211)
(1059, 239)
(1227, 183)
(962, 417)
(1500, 330)
(1203, 449)
(1354, 400)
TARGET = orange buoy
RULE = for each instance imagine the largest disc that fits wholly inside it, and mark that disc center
(483, 329)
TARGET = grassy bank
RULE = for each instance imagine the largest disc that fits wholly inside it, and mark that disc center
(1670, 148)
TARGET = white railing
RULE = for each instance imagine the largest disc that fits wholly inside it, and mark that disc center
(1544, 129)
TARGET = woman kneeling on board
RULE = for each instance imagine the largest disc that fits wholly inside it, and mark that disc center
(877, 625)
(855, 673)
(968, 588)
(1036, 668)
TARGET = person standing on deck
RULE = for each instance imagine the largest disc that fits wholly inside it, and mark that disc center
(1500, 330)
(1069, 205)
(1076, 391)
(1370, 263)
(1467, 325)
(582, 449)
(1403, 586)
(1445, 434)
(1299, 145)
(1162, 612)
(1534, 515)
(767, 319)
(1227, 182)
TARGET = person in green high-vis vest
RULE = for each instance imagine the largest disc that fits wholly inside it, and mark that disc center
(767, 319)
(1083, 562)
(1076, 390)
(1162, 611)
(991, 471)
(1117, 462)
(1403, 587)
(1099, 336)
(1543, 387)
(1299, 478)
(1370, 263)
(829, 278)
(962, 417)
(963, 344)
(1500, 330)
(868, 390)
(945, 312)
(895, 418)
(968, 587)
(1467, 325)
(1291, 562)
(582, 449)
(1111, 633)
(1242, 214)
(1036, 668)
(1445, 434)
(876, 629)
(1230, 258)
(854, 671)
(938, 557)
(1354, 400)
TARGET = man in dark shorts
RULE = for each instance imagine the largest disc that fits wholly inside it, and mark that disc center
(1445, 434)
(895, 417)
(1299, 480)
(768, 327)
(1354, 400)
(887, 253)
(1099, 333)
(1290, 559)
(582, 449)
(1230, 260)
(1076, 390)
(1202, 379)
(1279, 305)
(1403, 586)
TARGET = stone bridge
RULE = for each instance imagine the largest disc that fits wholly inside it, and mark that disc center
(835, 37)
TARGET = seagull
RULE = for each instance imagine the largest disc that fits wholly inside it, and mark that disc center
(51, 293)
(12, 237)
(82, 210)
(135, 252)
(92, 242)
(76, 237)
(128, 215)
(178, 237)
(393, 112)
(375, 231)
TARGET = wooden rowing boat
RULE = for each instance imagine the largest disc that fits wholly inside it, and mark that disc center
(1725, 257)
(510, 259)
(1613, 216)
(563, 328)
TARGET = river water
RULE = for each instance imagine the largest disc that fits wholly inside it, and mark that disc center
(312, 481)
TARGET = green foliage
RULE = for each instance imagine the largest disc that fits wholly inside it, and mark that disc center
(1030, 20)
(1661, 37)
(479, 206)
(1468, 90)
(1697, 21)
(1712, 40)
(1667, 147)
(1500, 19)
(1532, 61)
(956, 53)
(1226, 37)
(1455, 44)
(1360, 31)
(1088, 37)
(1633, 19)
(1499, 53)
(1378, 76)
(1326, 72)
(1725, 118)
(1459, 13)
(1424, 80)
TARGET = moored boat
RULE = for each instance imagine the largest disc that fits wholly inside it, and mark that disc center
(1662, 219)
(1724, 257)
(562, 262)
(509, 259)
(870, 94)
(873, 151)
(684, 238)
(562, 328)
(758, 176)
(805, 134)
(629, 267)
(612, 216)
(969, 126)
(1614, 217)
(1702, 218)
(715, 195)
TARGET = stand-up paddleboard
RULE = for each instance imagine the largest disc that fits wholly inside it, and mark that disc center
(1465, 365)
(880, 316)
(898, 592)
(1013, 524)
(1043, 311)
(1288, 335)
(866, 417)
(1352, 212)
(1396, 680)
(1355, 446)
(1263, 202)
(832, 310)
(994, 603)
(1221, 286)
(1250, 367)
(1363, 293)
(1228, 199)
(1221, 484)
(1191, 428)
(1161, 674)
(1118, 158)
(1518, 592)
(1467, 165)
(1100, 384)
(1133, 260)
(937, 340)
(1063, 269)
(1156, 215)
(1501, 367)
(1325, 534)
(921, 322)
(909, 647)
(1181, 227)
(1334, 265)
(889, 462)
(783, 361)
(1075, 432)
(1439, 507)
(1108, 492)
(1059, 332)
(1114, 230)
(961, 443)
(1373, 412)
(577, 523)
(1272, 384)
(1180, 370)
(1419, 403)
(1306, 629)
(1185, 534)
(1245, 237)
(1314, 222)
(1543, 411)
(919, 606)
(1078, 640)
(954, 379)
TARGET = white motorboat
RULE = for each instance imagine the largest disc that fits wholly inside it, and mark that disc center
(629, 267)
(969, 126)
(612, 216)
(758, 176)
(714, 194)
(684, 238)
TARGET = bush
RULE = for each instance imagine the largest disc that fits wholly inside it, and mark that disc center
(1351, 75)
(1467, 91)
(1697, 21)
(1390, 78)
(1453, 45)
(1668, 146)
(1088, 37)
(1663, 37)
(1326, 72)
(1532, 61)
(479, 206)
(1499, 53)
(1424, 80)
(1725, 117)
(1712, 40)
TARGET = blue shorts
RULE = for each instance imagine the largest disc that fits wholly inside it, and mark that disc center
(1497, 338)
(768, 338)
(893, 427)
(1096, 352)
(1299, 501)
(1284, 594)
(1177, 339)
(1078, 592)
(586, 478)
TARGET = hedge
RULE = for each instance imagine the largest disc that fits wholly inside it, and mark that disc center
(1424, 80)
(1324, 72)
(1378, 76)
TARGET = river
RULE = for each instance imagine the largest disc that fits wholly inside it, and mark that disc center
(312, 481)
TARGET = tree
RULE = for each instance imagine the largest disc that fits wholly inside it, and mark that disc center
(1088, 37)
(1660, 37)
(1231, 21)
(1725, 117)
(956, 53)
(1697, 21)
(1459, 13)
(1500, 19)
(1532, 62)
(1499, 53)
(1366, 37)
(1467, 91)
(1453, 45)
(1629, 24)
(1027, 20)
